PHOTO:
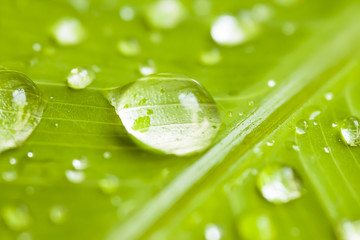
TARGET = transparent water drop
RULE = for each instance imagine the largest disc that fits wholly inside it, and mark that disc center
(68, 31)
(17, 218)
(279, 184)
(334, 124)
(147, 68)
(211, 57)
(296, 147)
(75, 176)
(80, 164)
(127, 13)
(262, 12)
(13, 161)
(301, 126)
(271, 83)
(183, 120)
(109, 184)
(202, 7)
(58, 214)
(21, 108)
(213, 232)
(327, 149)
(9, 176)
(256, 226)
(24, 236)
(107, 155)
(165, 14)
(37, 47)
(129, 47)
(349, 230)
(288, 28)
(329, 96)
(30, 154)
(229, 114)
(270, 143)
(80, 78)
(230, 31)
(314, 115)
(350, 132)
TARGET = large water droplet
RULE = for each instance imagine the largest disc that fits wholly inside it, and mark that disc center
(212, 232)
(165, 14)
(349, 230)
(301, 126)
(21, 108)
(68, 31)
(350, 131)
(17, 218)
(80, 78)
(167, 113)
(279, 184)
(228, 30)
(58, 214)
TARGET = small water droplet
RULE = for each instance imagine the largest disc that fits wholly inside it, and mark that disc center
(213, 232)
(271, 83)
(202, 7)
(334, 124)
(349, 230)
(329, 96)
(75, 176)
(13, 161)
(301, 126)
(256, 226)
(58, 214)
(148, 68)
(227, 30)
(288, 28)
(80, 78)
(80, 5)
(262, 12)
(21, 108)
(9, 176)
(16, 218)
(68, 31)
(165, 14)
(182, 121)
(210, 58)
(36, 47)
(80, 164)
(107, 155)
(350, 132)
(251, 103)
(30, 154)
(270, 143)
(109, 184)
(327, 149)
(24, 236)
(314, 115)
(296, 147)
(229, 114)
(56, 124)
(129, 47)
(127, 13)
(279, 184)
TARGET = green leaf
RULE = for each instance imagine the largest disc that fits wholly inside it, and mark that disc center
(126, 192)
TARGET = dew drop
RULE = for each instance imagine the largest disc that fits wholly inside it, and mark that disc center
(13, 161)
(127, 13)
(327, 150)
(270, 143)
(80, 164)
(129, 47)
(349, 230)
(148, 68)
(16, 218)
(184, 121)
(329, 96)
(21, 109)
(301, 126)
(75, 176)
(212, 232)
(271, 83)
(80, 78)
(109, 184)
(58, 214)
(165, 14)
(334, 124)
(256, 226)
(296, 147)
(9, 176)
(210, 58)
(68, 31)
(107, 155)
(229, 31)
(30, 154)
(288, 28)
(350, 132)
(36, 47)
(279, 184)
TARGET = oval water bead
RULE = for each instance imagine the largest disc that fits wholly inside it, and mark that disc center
(165, 14)
(80, 78)
(21, 108)
(279, 184)
(68, 31)
(350, 132)
(230, 31)
(167, 113)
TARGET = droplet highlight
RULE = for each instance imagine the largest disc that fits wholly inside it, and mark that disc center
(80, 78)
(68, 31)
(350, 132)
